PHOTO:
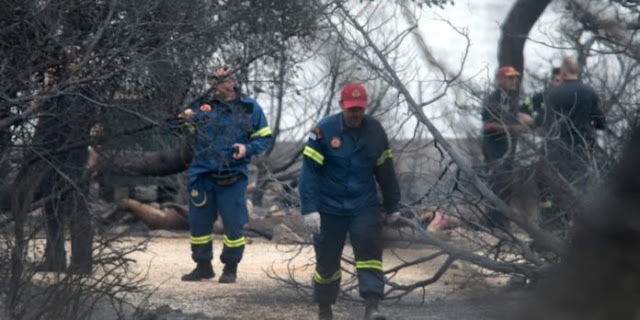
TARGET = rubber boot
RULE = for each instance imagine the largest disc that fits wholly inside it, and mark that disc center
(229, 273)
(371, 311)
(203, 270)
(324, 312)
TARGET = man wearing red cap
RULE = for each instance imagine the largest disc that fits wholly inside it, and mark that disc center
(502, 121)
(345, 155)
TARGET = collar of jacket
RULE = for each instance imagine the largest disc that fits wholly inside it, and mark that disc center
(243, 101)
(364, 127)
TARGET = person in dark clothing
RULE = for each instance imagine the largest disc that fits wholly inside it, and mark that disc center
(537, 106)
(570, 137)
(229, 129)
(576, 111)
(345, 155)
(502, 120)
(64, 124)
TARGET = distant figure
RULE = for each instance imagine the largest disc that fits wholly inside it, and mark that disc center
(60, 140)
(345, 155)
(570, 137)
(229, 128)
(503, 120)
(537, 106)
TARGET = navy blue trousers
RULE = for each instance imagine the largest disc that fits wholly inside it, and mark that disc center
(206, 201)
(365, 231)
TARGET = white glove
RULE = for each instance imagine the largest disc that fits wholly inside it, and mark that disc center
(392, 218)
(312, 221)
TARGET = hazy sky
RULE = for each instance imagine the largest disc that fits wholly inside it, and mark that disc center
(482, 19)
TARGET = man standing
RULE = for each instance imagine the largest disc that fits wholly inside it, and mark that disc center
(345, 155)
(229, 130)
(60, 156)
(576, 115)
(502, 121)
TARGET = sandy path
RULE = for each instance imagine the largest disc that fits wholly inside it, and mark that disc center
(256, 296)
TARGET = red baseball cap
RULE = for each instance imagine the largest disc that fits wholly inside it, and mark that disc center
(353, 95)
(507, 71)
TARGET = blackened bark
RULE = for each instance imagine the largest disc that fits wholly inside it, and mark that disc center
(515, 30)
(159, 163)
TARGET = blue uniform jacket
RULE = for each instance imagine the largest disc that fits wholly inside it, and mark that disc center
(341, 166)
(218, 125)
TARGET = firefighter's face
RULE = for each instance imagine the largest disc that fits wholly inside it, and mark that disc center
(353, 116)
(223, 81)
(508, 82)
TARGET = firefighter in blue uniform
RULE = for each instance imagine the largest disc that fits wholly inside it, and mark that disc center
(571, 136)
(345, 155)
(228, 130)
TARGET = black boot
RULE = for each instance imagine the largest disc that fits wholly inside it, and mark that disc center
(203, 270)
(324, 312)
(371, 311)
(229, 273)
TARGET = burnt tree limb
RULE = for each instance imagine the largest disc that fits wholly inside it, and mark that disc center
(515, 30)
(157, 163)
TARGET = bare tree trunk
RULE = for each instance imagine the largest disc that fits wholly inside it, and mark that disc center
(515, 30)
(258, 194)
(24, 189)
(5, 140)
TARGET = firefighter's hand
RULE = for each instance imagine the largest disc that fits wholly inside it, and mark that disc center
(239, 151)
(312, 221)
(392, 218)
(187, 113)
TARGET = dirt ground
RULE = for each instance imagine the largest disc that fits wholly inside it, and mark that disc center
(256, 296)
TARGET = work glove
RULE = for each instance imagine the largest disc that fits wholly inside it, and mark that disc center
(392, 218)
(312, 221)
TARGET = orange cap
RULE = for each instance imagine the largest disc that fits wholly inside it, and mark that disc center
(507, 71)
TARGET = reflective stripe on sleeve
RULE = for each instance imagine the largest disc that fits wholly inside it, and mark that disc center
(313, 155)
(265, 131)
(385, 155)
(546, 204)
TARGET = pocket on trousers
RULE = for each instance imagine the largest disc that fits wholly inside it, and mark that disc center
(198, 198)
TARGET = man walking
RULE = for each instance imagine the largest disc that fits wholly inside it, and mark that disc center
(346, 153)
(229, 130)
